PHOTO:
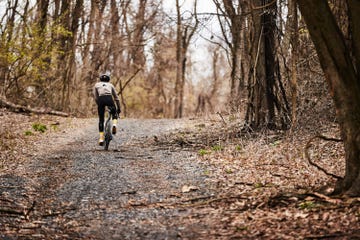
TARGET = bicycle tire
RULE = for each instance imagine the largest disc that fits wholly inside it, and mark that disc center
(108, 136)
(107, 143)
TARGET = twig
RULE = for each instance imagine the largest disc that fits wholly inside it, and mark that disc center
(280, 175)
(221, 118)
(207, 202)
(7, 200)
(308, 145)
(129, 192)
(58, 213)
(262, 7)
(11, 211)
(197, 199)
(245, 183)
(326, 198)
(28, 211)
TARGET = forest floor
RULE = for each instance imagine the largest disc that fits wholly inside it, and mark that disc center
(202, 178)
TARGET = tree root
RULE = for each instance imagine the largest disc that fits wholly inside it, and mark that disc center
(307, 154)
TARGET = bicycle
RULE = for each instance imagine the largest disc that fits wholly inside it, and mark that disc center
(108, 130)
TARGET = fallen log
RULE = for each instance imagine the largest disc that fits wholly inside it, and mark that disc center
(19, 108)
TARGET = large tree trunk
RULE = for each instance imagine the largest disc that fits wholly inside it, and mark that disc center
(269, 24)
(342, 77)
(294, 40)
(262, 66)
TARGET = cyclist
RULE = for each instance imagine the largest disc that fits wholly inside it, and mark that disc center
(105, 95)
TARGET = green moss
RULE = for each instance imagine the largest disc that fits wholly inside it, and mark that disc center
(28, 133)
(203, 152)
(39, 127)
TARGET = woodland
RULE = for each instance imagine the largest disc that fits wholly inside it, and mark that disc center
(276, 64)
(262, 98)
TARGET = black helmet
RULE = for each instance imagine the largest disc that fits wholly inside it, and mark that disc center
(105, 78)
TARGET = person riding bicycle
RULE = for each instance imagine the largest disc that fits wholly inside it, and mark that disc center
(105, 95)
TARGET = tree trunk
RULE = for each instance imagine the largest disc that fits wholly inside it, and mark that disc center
(42, 12)
(137, 51)
(269, 24)
(342, 78)
(65, 21)
(184, 35)
(267, 102)
(6, 39)
(234, 20)
(179, 60)
(255, 113)
(294, 40)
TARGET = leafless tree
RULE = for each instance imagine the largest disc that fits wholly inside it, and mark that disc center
(267, 101)
(183, 37)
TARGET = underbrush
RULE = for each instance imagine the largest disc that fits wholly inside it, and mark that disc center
(18, 132)
(266, 187)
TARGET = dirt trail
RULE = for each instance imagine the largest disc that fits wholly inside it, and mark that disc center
(135, 190)
(171, 179)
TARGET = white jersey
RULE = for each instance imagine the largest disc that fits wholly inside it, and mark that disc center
(103, 89)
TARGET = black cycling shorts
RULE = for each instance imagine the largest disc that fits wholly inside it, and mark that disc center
(105, 101)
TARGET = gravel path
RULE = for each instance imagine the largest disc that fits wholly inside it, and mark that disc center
(133, 191)
(167, 179)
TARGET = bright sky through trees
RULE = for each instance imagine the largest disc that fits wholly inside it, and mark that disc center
(208, 28)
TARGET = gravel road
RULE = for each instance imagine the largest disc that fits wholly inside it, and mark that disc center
(165, 179)
(138, 189)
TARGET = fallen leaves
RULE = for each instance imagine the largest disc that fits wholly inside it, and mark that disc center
(256, 186)
(259, 170)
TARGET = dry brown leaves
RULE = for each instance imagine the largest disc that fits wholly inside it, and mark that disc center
(266, 187)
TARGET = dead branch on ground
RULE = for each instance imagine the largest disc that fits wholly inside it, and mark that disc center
(19, 108)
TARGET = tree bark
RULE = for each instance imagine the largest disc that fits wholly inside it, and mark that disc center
(6, 39)
(42, 12)
(137, 49)
(343, 80)
(294, 40)
(269, 24)
(184, 35)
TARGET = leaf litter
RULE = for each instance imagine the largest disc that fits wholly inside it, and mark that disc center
(238, 184)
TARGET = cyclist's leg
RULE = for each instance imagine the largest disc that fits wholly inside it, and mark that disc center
(101, 114)
(111, 105)
(114, 118)
(113, 112)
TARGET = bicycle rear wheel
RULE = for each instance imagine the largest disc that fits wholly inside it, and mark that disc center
(108, 135)
(107, 142)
